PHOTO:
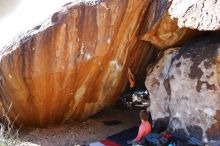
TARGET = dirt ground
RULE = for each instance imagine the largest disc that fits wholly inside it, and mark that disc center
(82, 133)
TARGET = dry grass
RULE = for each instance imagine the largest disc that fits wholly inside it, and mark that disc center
(8, 134)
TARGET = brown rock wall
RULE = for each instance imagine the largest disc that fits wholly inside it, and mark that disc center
(74, 64)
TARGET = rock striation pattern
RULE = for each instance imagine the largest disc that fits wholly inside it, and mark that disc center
(187, 79)
(74, 64)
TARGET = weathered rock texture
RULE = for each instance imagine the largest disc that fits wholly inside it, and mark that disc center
(196, 14)
(185, 84)
(75, 63)
(162, 31)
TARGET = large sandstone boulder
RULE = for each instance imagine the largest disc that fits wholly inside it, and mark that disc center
(162, 31)
(185, 84)
(74, 64)
(196, 14)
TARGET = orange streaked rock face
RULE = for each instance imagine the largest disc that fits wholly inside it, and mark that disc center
(74, 64)
(162, 31)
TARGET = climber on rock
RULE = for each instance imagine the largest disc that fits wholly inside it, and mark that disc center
(142, 98)
(126, 97)
(134, 97)
(131, 79)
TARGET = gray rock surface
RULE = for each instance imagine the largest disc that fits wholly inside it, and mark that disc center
(184, 84)
(196, 14)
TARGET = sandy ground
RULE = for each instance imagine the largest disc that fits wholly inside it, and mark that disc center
(81, 133)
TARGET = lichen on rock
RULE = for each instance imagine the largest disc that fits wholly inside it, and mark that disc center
(187, 81)
(196, 14)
